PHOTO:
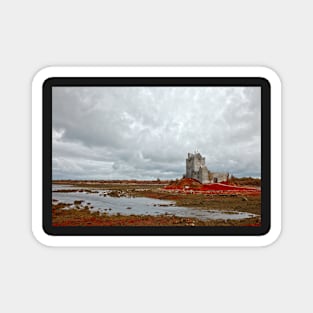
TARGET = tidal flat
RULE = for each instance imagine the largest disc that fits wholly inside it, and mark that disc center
(150, 203)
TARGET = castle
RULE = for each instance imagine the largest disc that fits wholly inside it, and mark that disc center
(196, 168)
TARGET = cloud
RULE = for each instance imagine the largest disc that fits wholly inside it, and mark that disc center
(146, 132)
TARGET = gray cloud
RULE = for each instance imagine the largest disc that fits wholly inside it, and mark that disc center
(146, 132)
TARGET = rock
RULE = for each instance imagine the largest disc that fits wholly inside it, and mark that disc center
(77, 202)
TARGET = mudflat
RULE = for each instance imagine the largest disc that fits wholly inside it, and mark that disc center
(185, 193)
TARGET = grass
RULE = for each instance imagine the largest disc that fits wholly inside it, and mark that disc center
(84, 217)
(245, 181)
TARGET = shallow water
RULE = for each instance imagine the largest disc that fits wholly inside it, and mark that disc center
(140, 205)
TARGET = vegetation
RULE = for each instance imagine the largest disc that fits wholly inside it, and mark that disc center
(245, 181)
(237, 200)
(84, 217)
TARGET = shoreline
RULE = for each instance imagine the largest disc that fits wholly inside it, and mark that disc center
(83, 217)
(240, 199)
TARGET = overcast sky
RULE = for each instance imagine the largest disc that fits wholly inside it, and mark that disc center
(146, 132)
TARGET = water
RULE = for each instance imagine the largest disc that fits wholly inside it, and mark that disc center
(139, 205)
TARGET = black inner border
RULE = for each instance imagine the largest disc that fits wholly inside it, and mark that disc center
(160, 81)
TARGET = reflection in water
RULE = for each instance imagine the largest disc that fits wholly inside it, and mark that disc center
(140, 206)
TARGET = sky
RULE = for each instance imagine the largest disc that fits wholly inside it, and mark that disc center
(147, 132)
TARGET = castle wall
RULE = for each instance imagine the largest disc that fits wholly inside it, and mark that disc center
(198, 161)
(204, 175)
(218, 177)
(189, 168)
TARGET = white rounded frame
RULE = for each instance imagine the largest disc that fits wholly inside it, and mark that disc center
(156, 241)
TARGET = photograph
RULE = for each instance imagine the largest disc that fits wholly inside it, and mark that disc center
(156, 156)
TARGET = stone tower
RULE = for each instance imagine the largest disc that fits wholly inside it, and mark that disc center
(195, 167)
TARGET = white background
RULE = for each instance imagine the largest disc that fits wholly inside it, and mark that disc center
(35, 34)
